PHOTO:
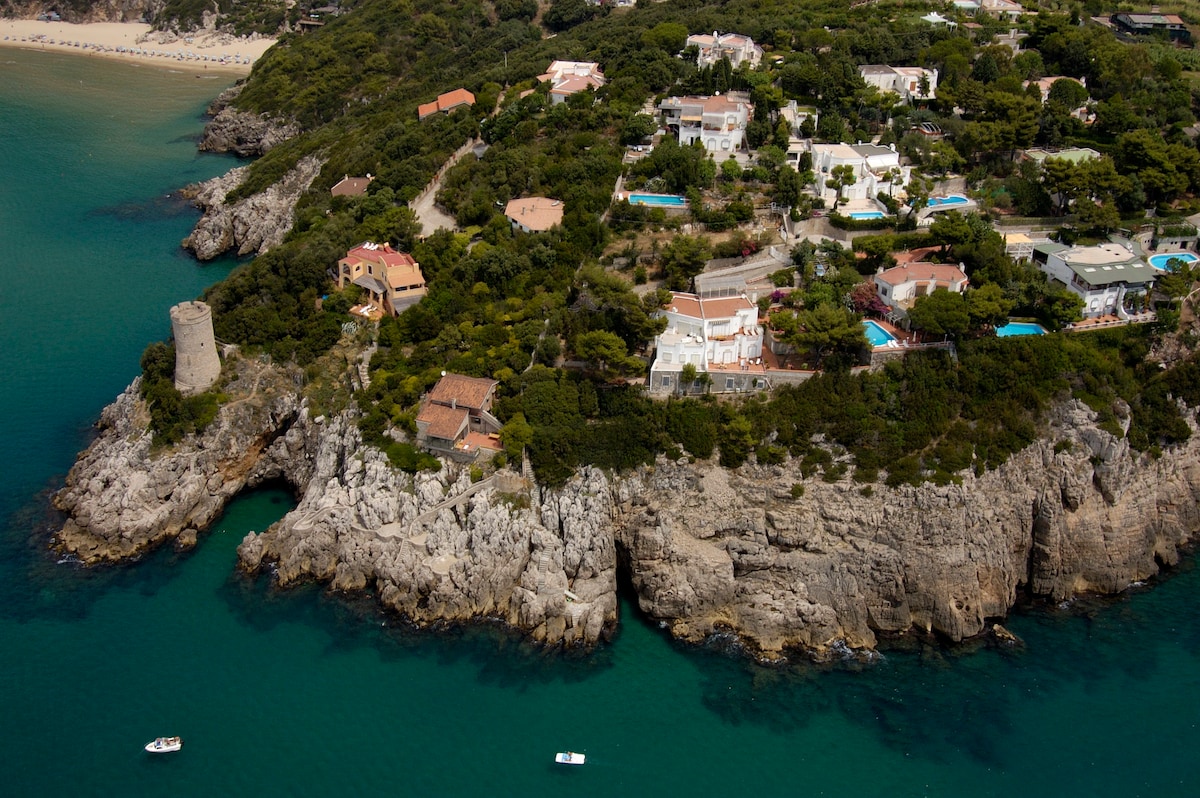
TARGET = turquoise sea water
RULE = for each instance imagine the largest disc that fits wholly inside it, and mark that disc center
(301, 693)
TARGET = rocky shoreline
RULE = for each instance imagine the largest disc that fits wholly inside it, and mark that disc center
(709, 550)
(257, 223)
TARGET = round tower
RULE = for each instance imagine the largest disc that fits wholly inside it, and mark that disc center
(197, 365)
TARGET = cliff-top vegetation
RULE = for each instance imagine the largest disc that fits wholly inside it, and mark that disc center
(516, 307)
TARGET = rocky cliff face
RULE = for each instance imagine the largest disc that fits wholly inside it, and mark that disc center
(257, 223)
(244, 133)
(708, 550)
(712, 550)
(433, 547)
(251, 225)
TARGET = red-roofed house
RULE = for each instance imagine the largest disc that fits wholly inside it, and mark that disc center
(900, 286)
(446, 103)
(456, 416)
(534, 214)
(392, 279)
(711, 333)
(569, 77)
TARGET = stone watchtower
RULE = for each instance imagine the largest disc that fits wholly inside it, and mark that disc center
(197, 365)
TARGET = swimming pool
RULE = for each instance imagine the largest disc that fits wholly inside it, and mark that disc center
(658, 200)
(876, 334)
(949, 199)
(1160, 261)
(1020, 328)
(866, 215)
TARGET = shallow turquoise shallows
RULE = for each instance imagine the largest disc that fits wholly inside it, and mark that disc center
(300, 693)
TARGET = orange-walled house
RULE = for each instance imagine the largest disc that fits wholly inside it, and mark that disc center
(392, 279)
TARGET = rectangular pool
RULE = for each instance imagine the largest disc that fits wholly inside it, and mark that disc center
(658, 200)
(866, 215)
(1020, 328)
(949, 199)
(876, 334)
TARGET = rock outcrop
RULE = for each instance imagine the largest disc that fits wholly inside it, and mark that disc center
(254, 224)
(259, 222)
(712, 550)
(708, 550)
(243, 133)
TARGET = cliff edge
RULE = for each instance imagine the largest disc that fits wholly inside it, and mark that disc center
(708, 550)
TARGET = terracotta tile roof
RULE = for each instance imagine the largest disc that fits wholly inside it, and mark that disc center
(427, 109)
(468, 392)
(712, 308)
(536, 213)
(452, 99)
(941, 273)
(444, 422)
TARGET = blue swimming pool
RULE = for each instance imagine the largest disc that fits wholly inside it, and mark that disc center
(949, 199)
(876, 334)
(866, 215)
(658, 200)
(1020, 328)
(1160, 261)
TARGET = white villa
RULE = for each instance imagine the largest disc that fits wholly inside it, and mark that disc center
(876, 168)
(568, 77)
(718, 123)
(737, 48)
(904, 81)
(712, 334)
(900, 286)
(1102, 274)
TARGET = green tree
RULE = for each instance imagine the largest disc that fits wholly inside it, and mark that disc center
(683, 259)
(941, 313)
(827, 329)
(607, 351)
(687, 377)
(840, 176)
(987, 305)
(515, 436)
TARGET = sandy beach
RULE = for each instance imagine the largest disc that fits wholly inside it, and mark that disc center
(136, 42)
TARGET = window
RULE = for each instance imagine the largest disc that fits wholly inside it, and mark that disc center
(729, 383)
(666, 381)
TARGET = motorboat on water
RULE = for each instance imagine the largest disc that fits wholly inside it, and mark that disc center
(164, 745)
(570, 758)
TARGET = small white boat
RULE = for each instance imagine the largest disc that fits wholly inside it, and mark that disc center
(570, 758)
(166, 745)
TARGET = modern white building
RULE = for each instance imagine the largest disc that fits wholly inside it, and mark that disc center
(876, 169)
(1102, 274)
(737, 48)
(718, 123)
(904, 81)
(714, 334)
(568, 77)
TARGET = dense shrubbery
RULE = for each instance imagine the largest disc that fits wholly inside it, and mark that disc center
(172, 415)
(508, 306)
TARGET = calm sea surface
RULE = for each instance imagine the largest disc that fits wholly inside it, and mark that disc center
(298, 693)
